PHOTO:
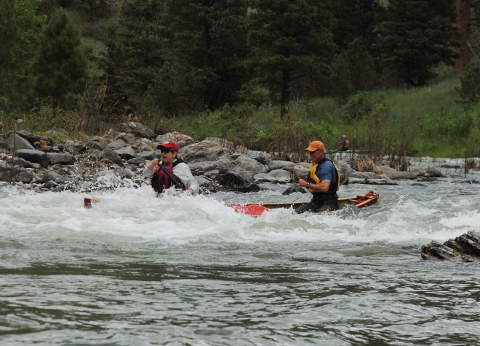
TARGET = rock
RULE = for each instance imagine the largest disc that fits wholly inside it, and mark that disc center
(236, 180)
(280, 164)
(96, 142)
(137, 129)
(245, 163)
(15, 174)
(74, 147)
(382, 181)
(16, 142)
(60, 158)
(364, 175)
(117, 144)
(19, 162)
(149, 155)
(181, 139)
(465, 246)
(52, 176)
(126, 153)
(207, 166)
(143, 144)
(300, 170)
(129, 138)
(293, 189)
(137, 161)
(276, 176)
(124, 173)
(111, 156)
(206, 150)
(261, 156)
(33, 155)
(434, 173)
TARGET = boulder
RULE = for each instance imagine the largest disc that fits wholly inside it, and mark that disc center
(149, 155)
(117, 144)
(15, 174)
(74, 147)
(280, 176)
(245, 163)
(222, 163)
(111, 156)
(465, 246)
(261, 156)
(16, 142)
(206, 150)
(180, 139)
(126, 152)
(280, 164)
(19, 162)
(237, 180)
(300, 170)
(137, 129)
(52, 176)
(60, 158)
(32, 155)
(293, 189)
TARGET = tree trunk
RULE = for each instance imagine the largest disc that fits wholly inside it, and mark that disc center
(463, 24)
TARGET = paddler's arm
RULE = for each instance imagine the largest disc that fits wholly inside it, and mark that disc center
(322, 186)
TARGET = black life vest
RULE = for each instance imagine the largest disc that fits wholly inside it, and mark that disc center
(164, 178)
(334, 184)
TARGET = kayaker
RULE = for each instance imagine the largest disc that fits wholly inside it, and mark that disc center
(322, 181)
(344, 143)
(171, 171)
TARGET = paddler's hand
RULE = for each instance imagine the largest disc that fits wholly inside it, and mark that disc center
(303, 183)
(154, 163)
(188, 192)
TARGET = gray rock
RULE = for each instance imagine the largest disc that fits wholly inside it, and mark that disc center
(117, 144)
(74, 147)
(206, 150)
(124, 173)
(364, 175)
(137, 129)
(202, 167)
(280, 164)
(15, 174)
(19, 162)
(236, 180)
(52, 176)
(180, 139)
(33, 155)
(465, 246)
(111, 156)
(137, 161)
(293, 189)
(61, 158)
(280, 176)
(149, 155)
(300, 170)
(16, 142)
(382, 181)
(261, 156)
(245, 163)
(126, 153)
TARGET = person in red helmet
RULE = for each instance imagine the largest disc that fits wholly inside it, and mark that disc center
(172, 171)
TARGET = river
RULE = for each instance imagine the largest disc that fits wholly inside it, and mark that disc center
(140, 270)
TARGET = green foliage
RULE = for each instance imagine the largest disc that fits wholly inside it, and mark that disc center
(415, 36)
(470, 85)
(288, 38)
(61, 65)
(19, 29)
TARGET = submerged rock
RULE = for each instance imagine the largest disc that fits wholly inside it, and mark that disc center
(466, 247)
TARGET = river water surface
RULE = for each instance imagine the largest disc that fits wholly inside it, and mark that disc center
(140, 270)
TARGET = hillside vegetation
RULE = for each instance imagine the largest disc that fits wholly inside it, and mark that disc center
(268, 74)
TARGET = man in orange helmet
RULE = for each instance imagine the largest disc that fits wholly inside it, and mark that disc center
(322, 181)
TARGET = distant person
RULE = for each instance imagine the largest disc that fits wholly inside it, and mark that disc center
(171, 171)
(322, 181)
(344, 143)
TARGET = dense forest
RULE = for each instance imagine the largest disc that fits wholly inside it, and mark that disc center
(244, 69)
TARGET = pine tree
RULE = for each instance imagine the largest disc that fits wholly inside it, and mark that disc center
(134, 59)
(61, 65)
(416, 36)
(19, 31)
(289, 38)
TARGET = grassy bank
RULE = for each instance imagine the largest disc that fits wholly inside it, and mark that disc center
(428, 121)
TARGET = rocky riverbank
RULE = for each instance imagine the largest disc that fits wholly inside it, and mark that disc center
(119, 157)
